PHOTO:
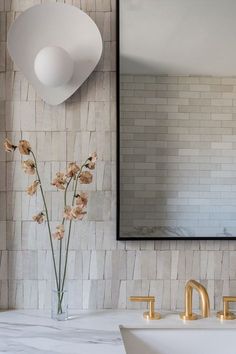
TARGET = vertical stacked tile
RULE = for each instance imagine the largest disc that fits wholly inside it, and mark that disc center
(3, 187)
(85, 123)
(102, 273)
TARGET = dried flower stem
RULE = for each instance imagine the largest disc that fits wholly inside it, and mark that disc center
(47, 218)
(62, 181)
(69, 231)
(63, 221)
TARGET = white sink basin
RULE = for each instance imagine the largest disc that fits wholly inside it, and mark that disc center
(179, 340)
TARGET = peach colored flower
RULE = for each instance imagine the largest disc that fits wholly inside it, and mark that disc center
(28, 167)
(86, 177)
(91, 165)
(59, 181)
(78, 213)
(9, 147)
(67, 213)
(39, 218)
(24, 147)
(82, 199)
(72, 170)
(32, 189)
(59, 233)
(92, 159)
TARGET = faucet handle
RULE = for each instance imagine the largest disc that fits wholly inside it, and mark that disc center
(150, 314)
(226, 314)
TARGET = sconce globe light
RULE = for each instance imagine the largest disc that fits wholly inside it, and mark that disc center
(56, 46)
(53, 66)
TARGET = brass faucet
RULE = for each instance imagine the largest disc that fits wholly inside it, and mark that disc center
(150, 314)
(226, 314)
(205, 303)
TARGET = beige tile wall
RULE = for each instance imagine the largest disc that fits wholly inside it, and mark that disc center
(102, 272)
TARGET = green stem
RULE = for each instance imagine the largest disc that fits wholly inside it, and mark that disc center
(68, 240)
(65, 194)
(60, 241)
(69, 231)
(47, 217)
(59, 266)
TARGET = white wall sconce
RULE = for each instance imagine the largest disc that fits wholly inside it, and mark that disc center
(56, 46)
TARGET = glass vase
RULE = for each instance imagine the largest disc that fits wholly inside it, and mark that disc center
(59, 309)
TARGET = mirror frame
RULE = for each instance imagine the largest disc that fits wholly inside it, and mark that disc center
(118, 204)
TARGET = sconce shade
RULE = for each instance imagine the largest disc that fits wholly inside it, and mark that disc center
(56, 46)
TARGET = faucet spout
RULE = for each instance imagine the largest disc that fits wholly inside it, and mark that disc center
(204, 298)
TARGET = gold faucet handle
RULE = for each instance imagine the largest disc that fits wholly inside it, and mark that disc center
(150, 314)
(226, 314)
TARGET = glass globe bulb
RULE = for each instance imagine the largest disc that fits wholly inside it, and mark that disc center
(53, 66)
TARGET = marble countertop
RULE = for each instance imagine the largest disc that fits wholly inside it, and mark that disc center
(87, 332)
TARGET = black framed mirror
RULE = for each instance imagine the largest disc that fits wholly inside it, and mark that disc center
(176, 115)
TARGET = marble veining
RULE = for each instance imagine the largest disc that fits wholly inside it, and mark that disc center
(87, 332)
(37, 333)
(159, 231)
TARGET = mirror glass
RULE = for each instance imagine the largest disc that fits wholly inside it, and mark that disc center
(177, 119)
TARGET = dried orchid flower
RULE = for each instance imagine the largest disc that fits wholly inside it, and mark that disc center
(59, 181)
(32, 189)
(92, 159)
(28, 167)
(78, 213)
(24, 147)
(71, 213)
(72, 170)
(9, 147)
(82, 199)
(86, 177)
(39, 218)
(67, 213)
(59, 233)
(91, 165)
